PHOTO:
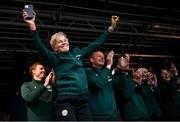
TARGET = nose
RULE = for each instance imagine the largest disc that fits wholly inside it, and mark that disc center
(65, 40)
(43, 69)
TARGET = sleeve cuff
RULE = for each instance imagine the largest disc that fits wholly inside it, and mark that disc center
(110, 29)
(108, 66)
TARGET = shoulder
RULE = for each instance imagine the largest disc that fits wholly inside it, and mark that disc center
(75, 49)
(27, 84)
(88, 69)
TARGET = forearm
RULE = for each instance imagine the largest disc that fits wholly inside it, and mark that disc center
(94, 45)
(43, 50)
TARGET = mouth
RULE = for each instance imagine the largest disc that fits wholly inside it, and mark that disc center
(65, 46)
(102, 61)
(42, 73)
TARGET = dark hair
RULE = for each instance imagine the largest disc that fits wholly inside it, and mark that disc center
(116, 59)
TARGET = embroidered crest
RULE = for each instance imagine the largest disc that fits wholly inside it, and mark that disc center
(64, 112)
(109, 79)
(78, 57)
(178, 90)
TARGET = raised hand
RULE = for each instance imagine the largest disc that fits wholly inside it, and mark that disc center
(173, 69)
(137, 76)
(114, 20)
(109, 58)
(50, 78)
(151, 79)
(30, 22)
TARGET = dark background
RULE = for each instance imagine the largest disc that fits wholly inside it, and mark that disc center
(149, 31)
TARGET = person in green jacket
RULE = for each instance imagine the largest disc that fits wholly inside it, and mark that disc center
(128, 91)
(101, 99)
(71, 82)
(150, 94)
(38, 94)
(170, 93)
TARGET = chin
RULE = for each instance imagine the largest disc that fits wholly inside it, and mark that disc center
(42, 76)
(102, 64)
(166, 79)
(64, 51)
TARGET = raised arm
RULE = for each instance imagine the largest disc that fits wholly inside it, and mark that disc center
(44, 51)
(102, 38)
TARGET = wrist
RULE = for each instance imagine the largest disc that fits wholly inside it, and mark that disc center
(32, 27)
(46, 84)
(113, 25)
(110, 29)
(108, 66)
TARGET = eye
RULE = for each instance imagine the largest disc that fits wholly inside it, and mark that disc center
(60, 41)
(65, 40)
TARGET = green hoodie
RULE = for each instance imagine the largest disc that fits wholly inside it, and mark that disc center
(38, 100)
(68, 66)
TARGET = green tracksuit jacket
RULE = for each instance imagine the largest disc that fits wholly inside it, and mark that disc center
(102, 100)
(151, 97)
(38, 100)
(68, 67)
(132, 105)
(170, 98)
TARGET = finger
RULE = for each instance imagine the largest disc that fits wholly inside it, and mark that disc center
(151, 75)
(117, 18)
(114, 17)
(112, 51)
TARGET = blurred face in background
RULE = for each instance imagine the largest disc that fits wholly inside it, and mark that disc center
(138, 73)
(123, 63)
(165, 75)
